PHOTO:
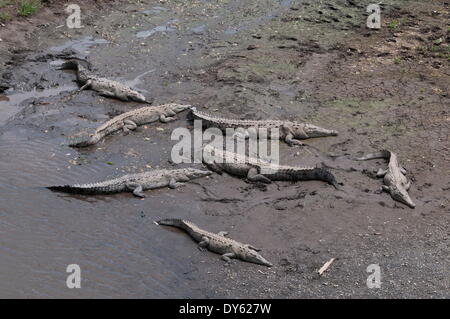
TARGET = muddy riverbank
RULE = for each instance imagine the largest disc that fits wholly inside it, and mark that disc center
(309, 60)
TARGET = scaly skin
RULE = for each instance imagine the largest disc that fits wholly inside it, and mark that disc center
(218, 243)
(136, 183)
(129, 121)
(258, 170)
(395, 182)
(290, 132)
(105, 87)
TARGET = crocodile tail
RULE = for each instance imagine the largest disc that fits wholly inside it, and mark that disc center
(191, 114)
(172, 222)
(328, 177)
(83, 190)
(381, 154)
(187, 226)
(196, 113)
(67, 189)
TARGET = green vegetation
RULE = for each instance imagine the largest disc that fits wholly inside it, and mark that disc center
(393, 25)
(397, 60)
(434, 48)
(27, 8)
(4, 17)
(4, 3)
(438, 41)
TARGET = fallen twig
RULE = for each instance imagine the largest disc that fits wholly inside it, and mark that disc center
(326, 266)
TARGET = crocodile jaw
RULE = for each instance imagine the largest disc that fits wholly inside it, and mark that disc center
(179, 107)
(254, 257)
(258, 259)
(401, 195)
(193, 173)
(138, 97)
(316, 131)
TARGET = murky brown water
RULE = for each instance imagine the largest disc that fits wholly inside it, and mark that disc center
(113, 239)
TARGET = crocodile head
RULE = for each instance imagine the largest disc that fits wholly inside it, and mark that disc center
(81, 139)
(193, 173)
(400, 194)
(69, 65)
(136, 96)
(75, 64)
(254, 257)
(316, 131)
(179, 107)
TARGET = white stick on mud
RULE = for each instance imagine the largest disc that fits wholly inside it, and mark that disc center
(326, 266)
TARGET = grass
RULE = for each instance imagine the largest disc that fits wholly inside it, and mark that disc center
(4, 3)
(5, 17)
(438, 41)
(434, 48)
(397, 60)
(28, 7)
(393, 25)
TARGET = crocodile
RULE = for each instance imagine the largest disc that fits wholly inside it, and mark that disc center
(136, 183)
(128, 121)
(218, 243)
(395, 182)
(259, 170)
(106, 87)
(289, 132)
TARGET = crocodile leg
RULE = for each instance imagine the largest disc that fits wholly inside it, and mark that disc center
(129, 125)
(203, 244)
(227, 257)
(107, 94)
(408, 185)
(254, 176)
(289, 139)
(137, 189)
(85, 86)
(222, 233)
(166, 119)
(213, 167)
(253, 248)
(381, 172)
(174, 184)
(183, 178)
(169, 112)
